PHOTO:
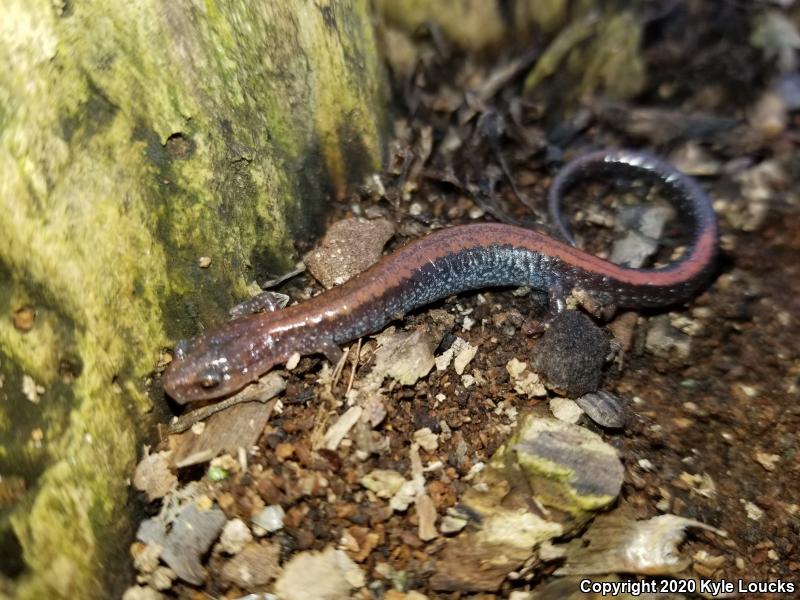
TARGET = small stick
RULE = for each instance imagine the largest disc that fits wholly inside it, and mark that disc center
(263, 390)
(355, 366)
(298, 268)
(337, 371)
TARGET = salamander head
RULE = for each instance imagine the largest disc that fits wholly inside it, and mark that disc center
(212, 365)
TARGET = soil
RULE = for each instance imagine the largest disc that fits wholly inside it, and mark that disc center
(712, 426)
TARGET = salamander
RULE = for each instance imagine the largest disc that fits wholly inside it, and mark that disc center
(449, 261)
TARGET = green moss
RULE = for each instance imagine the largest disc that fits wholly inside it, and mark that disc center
(557, 52)
(20, 454)
(131, 160)
(593, 55)
(91, 116)
(473, 24)
(567, 468)
(614, 64)
(554, 487)
(547, 15)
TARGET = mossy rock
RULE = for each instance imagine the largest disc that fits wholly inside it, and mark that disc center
(568, 468)
(136, 138)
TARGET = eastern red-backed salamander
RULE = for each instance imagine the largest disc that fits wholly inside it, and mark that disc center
(447, 262)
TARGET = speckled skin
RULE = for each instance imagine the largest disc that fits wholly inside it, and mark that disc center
(447, 262)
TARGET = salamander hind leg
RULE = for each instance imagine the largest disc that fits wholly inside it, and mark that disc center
(598, 304)
(557, 298)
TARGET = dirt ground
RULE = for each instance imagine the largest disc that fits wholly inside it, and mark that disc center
(711, 402)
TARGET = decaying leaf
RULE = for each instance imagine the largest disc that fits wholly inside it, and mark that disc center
(337, 432)
(239, 426)
(405, 357)
(383, 482)
(615, 544)
(326, 575)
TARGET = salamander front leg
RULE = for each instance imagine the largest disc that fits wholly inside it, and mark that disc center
(263, 302)
(331, 351)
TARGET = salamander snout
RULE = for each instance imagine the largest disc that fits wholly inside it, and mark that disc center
(201, 369)
(189, 380)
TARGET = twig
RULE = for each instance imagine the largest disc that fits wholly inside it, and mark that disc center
(298, 268)
(337, 371)
(353, 370)
(263, 390)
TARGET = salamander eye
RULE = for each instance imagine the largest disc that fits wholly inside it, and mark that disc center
(210, 378)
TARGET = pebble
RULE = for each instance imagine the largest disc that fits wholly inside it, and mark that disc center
(270, 518)
(768, 461)
(349, 247)
(32, 390)
(451, 525)
(754, 512)
(641, 241)
(137, 592)
(467, 324)
(284, 450)
(565, 410)
(445, 358)
(145, 556)
(255, 565)
(384, 483)
(525, 381)
(153, 476)
(664, 340)
(604, 408)
(645, 465)
(404, 496)
(326, 575)
(293, 361)
(427, 440)
(515, 368)
(405, 357)
(185, 537)
(235, 535)
(465, 355)
(571, 353)
(162, 578)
